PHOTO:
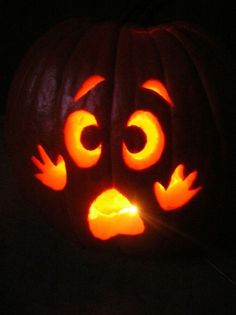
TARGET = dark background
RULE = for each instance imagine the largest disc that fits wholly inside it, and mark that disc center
(40, 271)
(22, 22)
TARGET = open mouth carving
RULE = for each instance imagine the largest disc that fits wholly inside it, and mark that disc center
(111, 214)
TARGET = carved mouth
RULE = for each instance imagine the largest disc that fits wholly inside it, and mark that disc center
(111, 214)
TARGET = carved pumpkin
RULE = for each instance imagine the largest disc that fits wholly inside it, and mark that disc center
(114, 131)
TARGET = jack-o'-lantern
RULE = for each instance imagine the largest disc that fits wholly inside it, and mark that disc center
(113, 130)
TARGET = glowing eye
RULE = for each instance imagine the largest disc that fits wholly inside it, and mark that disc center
(77, 126)
(154, 144)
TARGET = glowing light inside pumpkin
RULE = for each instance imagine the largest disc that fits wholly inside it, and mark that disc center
(158, 87)
(112, 214)
(75, 123)
(88, 85)
(155, 141)
(52, 175)
(178, 192)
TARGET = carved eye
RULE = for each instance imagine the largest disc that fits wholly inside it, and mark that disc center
(82, 140)
(152, 137)
(135, 139)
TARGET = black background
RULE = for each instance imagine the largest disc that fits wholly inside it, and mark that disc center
(42, 273)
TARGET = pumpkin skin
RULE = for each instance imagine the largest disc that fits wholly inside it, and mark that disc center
(42, 97)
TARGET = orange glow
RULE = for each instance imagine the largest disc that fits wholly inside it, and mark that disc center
(52, 175)
(88, 85)
(178, 192)
(75, 123)
(111, 214)
(154, 146)
(158, 87)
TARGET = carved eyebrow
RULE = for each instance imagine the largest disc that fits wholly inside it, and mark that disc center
(87, 86)
(158, 88)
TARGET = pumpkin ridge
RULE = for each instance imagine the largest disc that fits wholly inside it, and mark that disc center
(26, 88)
(212, 97)
(178, 38)
(154, 41)
(117, 33)
(210, 89)
(201, 79)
